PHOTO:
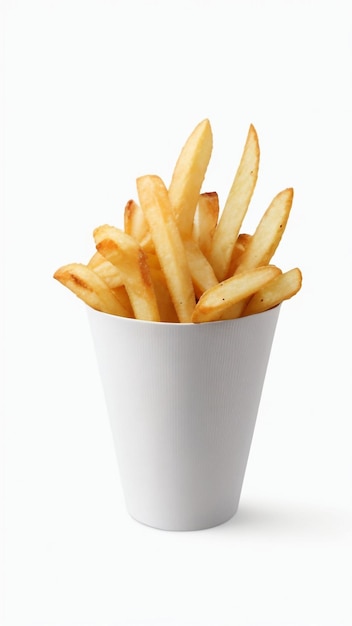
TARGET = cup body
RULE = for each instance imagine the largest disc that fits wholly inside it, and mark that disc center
(182, 401)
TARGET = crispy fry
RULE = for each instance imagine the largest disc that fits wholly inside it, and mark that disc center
(236, 206)
(268, 233)
(242, 242)
(202, 273)
(237, 309)
(154, 200)
(90, 288)
(206, 220)
(124, 252)
(188, 176)
(106, 270)
(135, 223)
(113, 278)
(215, 302)
(147, 244)
(153, 260)
(280, 288)
(122, 295)
(164, 300)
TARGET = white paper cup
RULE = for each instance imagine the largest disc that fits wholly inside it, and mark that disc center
(182, 401)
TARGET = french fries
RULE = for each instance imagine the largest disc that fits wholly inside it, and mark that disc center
(123, 251)
(179, 258)
(89, 287)
(206, 220)
(236, 206)
(214, 303)
(262, 245)
(188, 176)
(168, 243)
(280, 288)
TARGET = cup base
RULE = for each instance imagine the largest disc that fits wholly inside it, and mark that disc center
(185, 527)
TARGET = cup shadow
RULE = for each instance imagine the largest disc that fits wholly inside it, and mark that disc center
(299, 521)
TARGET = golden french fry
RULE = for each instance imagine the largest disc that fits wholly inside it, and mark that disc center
(207, 214)
(280, 288)
(91, 288)
(236, 206)
(268, 234)
(202, 273)
(106, 270)
(123, 251)
(188, 176)
(123, 297)
(96, 260)
(237, 309)
(242, 242)
(215, 302)
(155, 202)
(113, 278)
(153, 261)
(135, 223)
(164, 300)
(147, 244)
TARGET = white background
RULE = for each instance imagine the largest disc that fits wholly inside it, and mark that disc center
(95, 93)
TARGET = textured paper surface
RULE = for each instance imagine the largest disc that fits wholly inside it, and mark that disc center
(182, 401)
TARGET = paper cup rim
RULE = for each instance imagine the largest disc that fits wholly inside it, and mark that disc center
(133, 320)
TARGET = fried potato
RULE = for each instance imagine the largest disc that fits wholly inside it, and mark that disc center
(89, 287)
(179, 257)
(155, 202)
(215, 302)
(188, 176)
(280, 288)
(135, 223)
(237, 310)
(123, 251)
(202, 273)
(242, 242)
(236, 206)
(113, 278)
(268, 234)
(205, 222)
(106, 270)
(147, 244)
(166, 306)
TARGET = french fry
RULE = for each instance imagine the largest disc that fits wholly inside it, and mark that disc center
(282, 287)
(152, 260)
(123, 297)
(91, 288)
(147, 244)
(237, 310)
(123, 251)
(268, 234)
(188, 176)
(134, 221)
(215, 302)
(136, 225)
(207, 214)
(202, 273)
(236, 206)
(166, 306)
(155, 202)
(106, 270)
(113, 278)
(242, 242)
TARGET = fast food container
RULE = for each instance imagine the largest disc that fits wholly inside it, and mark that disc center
(182, 400)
